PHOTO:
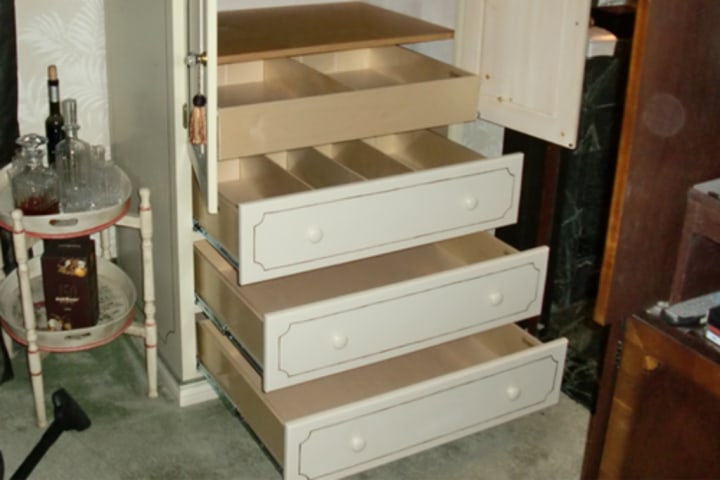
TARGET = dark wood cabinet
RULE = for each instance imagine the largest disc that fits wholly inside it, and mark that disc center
(669, 142)
(665, 413)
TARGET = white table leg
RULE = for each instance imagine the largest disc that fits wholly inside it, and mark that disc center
(146, 231)
(105, 244)
(33, 352)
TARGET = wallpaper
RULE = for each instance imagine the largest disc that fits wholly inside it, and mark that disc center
(71, 34)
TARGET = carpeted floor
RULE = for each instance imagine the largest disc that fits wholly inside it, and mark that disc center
(132, 437)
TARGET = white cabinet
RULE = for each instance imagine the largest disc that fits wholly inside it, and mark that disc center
(348, 284)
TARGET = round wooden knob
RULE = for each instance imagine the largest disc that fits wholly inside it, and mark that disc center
(513, 392)
(339, 341)
(496, 298)
(471, 202)
(314, 234)
(357, 443)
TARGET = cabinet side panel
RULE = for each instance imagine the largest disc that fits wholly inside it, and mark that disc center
(144, 91)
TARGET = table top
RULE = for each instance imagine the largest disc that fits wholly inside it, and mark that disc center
(691, 337)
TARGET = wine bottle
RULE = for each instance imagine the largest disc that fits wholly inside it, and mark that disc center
(55, 121)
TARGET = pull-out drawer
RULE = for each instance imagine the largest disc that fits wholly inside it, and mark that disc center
(304, 209)
(285, 103)
(356, 420)
(309, 325)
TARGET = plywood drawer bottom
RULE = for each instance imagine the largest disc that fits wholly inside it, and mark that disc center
(353, 421)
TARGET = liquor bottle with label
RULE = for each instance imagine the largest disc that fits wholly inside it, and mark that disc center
(54, 122)
(73, 157)
(34, 185)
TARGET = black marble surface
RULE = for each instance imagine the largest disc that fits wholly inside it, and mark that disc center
(585, 186)
(586, 348)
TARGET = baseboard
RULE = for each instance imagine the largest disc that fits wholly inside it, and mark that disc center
(198, 391)
(187, 393)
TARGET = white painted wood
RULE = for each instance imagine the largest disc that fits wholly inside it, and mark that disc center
(297, 232)
(117, 306)
(149, 325)
(202, 80)
(530, 57)
(147, 87)
(382, 429)
(117, 301)
(325, 338)
(28, 313)
(287, 235)
(357, 420)
(322, 332)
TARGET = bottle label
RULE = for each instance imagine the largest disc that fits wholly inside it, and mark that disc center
(54, 93)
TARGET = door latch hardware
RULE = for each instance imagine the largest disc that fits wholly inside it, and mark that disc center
(192, 59)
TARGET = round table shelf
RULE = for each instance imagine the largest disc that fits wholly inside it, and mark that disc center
(117, 297)
(62, 225)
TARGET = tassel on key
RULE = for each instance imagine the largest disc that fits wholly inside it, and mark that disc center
(197, 121)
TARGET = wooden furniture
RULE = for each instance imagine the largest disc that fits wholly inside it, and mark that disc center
(347, 284)
(663, 419)
(700, 241)
(153, 148)
(668, 144)
(22, 313)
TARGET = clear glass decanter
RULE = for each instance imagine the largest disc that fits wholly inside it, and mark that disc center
(74, 164)
(112, 183)
(34, 185)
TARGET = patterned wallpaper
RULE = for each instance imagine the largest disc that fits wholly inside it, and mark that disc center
(71, 34)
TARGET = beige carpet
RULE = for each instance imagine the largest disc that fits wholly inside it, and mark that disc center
(132, 437)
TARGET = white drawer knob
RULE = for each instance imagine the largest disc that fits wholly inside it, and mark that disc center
(471, 202)
(496, 298)
(357, 443)
(314, 234)
(513, 392)
(339, 341)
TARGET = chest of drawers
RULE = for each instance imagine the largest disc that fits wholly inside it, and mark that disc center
(353, 306)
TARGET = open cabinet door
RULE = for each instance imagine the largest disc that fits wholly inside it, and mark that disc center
(530, 56)
(202, 84)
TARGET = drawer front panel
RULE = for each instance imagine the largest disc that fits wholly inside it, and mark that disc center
(372, 319)
(366, 417)
(354, 330)
(296, 233)
(431, 414)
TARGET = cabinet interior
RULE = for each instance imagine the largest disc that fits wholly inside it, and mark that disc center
(353, 277)
(252, 34)
(282, 173)
(360, 383)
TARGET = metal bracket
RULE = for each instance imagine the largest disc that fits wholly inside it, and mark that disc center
(192, 59)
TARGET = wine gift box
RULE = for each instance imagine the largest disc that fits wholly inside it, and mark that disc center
(70, 284)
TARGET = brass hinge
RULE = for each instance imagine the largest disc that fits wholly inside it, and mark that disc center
(618, 353)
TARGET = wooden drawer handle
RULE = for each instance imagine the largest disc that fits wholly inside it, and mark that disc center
(471, 202)
(339, 341)
(496, 298)
(513, 392)
(357, 443)
(314, 234)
